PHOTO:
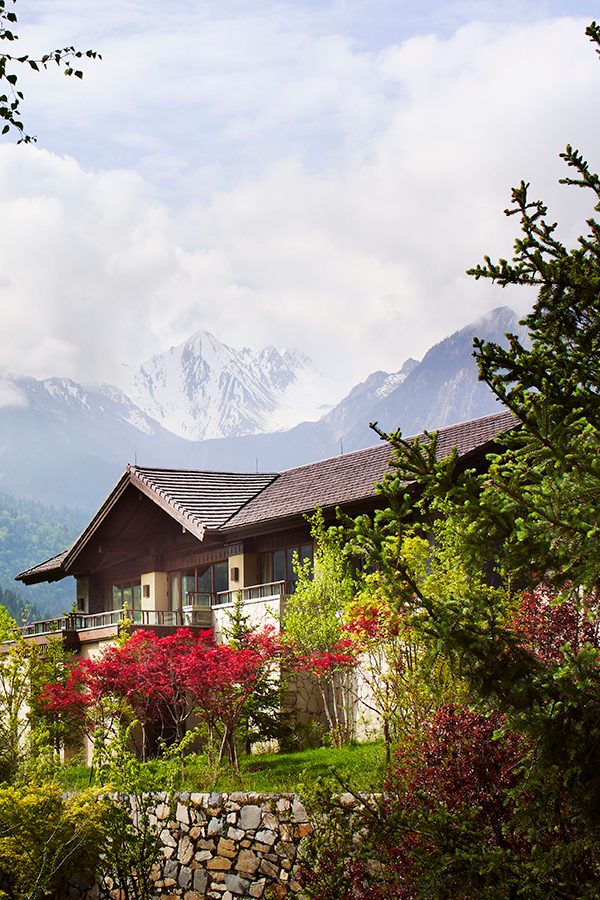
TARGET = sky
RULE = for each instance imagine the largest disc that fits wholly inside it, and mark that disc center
(314, 175)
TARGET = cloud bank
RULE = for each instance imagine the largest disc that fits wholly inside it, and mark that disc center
(280, 182)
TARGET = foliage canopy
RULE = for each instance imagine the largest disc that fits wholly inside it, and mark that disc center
(11, 97)
(500, 571)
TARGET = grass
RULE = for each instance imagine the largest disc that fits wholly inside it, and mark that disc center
(360, 765)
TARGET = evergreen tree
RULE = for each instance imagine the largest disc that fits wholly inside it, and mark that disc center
(264, 717)
(459, 553)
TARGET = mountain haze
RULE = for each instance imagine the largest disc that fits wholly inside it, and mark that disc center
(64, 443)
(61, 441)
(443, 388)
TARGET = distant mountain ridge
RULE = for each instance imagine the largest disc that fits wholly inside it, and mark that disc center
(206, 389)
(443, 388)
(359, 404)
(63, 443)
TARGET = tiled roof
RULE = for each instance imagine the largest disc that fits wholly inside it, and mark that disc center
(228, 500)
(350, 478)
(44, 569)
(208, 499)
(198, 499)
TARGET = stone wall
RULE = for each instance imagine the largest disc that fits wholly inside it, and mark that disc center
(227, 846)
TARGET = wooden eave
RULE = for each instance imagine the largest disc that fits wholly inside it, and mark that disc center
(64, 564)
(130, 478)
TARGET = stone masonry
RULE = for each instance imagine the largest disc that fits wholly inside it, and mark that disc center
(227, 846)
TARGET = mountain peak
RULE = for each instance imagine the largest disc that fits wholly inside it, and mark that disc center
(500, 318)
(204, 388)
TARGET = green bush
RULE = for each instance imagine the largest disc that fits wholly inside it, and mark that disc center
(49, 839)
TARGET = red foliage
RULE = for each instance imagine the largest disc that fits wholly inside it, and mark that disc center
(462, 761)
(322, 664)
(222, 677)
(461, 770)
(69, 699)
(548, 624)
(373, 621)
(163, 680)
(465, 763)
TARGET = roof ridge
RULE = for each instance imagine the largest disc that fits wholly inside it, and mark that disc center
(204, 471)
(411, 437)
(193, 518)
(250, 499)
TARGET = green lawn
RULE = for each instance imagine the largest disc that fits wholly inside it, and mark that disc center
(360, 765)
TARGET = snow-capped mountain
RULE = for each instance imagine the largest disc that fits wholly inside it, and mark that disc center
(206, 389)
(61, 442)
(358, 405)
(443, 388)
(65, 400)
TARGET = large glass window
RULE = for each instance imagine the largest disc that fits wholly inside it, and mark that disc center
(278, 565)
(129, 594)
(279, 568)
(197, 587)
(220, 577)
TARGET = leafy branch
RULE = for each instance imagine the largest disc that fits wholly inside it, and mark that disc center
(11, 96)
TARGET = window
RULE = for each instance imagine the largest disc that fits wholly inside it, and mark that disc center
(278, 565)
(129, 593)
(196, 587)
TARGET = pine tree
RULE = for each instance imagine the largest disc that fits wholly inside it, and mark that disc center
(458, 553)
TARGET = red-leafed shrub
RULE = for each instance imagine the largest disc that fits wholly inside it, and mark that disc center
(446, 794)
(162, 681)
(548, 624)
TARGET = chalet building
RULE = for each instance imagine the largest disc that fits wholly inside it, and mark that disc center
(174, 547)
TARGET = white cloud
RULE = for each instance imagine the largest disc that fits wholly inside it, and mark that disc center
(292, 187)
(10, 395)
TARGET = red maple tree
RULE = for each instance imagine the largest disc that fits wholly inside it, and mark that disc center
(162, 682)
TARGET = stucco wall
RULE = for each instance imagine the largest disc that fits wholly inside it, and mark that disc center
(259, 612)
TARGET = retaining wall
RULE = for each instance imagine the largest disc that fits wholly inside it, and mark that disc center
(227, 846)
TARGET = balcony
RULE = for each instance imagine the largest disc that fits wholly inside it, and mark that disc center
(274, 590)
(197, 613)
(85, 624)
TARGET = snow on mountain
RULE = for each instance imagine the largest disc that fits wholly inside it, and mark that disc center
(443, 388)
(62, 442)
(358, 405)
(205, 389)
(396, 378)
(99, 410)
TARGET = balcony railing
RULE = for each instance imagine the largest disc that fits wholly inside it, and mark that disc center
(112, 618)
(196, 612)
(274, 590)
(199, 598)
(73, 622)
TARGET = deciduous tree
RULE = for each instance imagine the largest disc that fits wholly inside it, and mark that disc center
(313, 626)
(161, 682)
(401, 680)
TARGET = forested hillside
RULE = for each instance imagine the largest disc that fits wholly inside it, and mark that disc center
(29, 533)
